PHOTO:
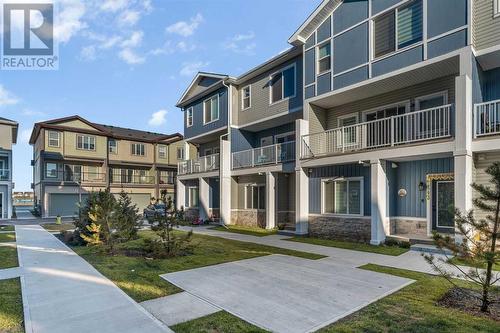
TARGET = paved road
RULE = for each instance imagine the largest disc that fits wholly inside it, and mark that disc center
(63, 293)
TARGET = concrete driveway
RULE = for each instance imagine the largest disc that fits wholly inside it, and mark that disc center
(287, 294)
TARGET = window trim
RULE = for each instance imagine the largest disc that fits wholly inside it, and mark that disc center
(345, 116)
(254, 185)
(189, 110)
(405, 103)
(116, 147)
(159, 151)
(133, 151)
(283, 85)
(58, 139)
(443, 93)
(496, 8)
(318, 59)
(344, 179)
(204, 109)
(249, 97)
(189, 201)
(57, 170)
(83, 143)
(284, 135)
(183, 154)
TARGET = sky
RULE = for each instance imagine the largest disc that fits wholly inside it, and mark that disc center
(127, 62)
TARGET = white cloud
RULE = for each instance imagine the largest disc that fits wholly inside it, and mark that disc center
(171, 48)
(129, 18)
(69, 20)
(241, 43)
(6, 97)
(32, 113)
(114, 5)
(88, 53)
(186, 29)
(158, 118)
(191, 68)
(131, 57)
(134, 40)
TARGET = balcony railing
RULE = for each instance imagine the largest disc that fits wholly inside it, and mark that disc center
(487, 118)
(274, 154)
(76, 177)
(398, 130)
(132, 179)
(199, 165)
(4, 174)
(167, 180)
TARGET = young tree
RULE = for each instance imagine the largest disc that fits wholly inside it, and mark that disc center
(479, 246)
(127, 218)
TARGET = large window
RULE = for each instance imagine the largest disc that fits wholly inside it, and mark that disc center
(283, 85)
(324, 58)
(85, 142)
(398, 28)
(189, 117)
(193, 197)
(112, 146)
(138, 149)
(51, 170)
(180, 153)
(211, 109)
(343, 196)
(255, 197)
(54, 138)
(246, 101)
(162, 151)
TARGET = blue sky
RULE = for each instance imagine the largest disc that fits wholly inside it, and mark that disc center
(126, 62)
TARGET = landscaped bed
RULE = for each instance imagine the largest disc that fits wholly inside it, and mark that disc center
(139, 277)
(220, 322)
(8, 237)
(11, 306)
(259, 232)
(393, 250)
(8, 257)
(7, 228)
(58, 227)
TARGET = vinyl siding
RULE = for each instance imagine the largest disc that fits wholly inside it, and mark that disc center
(244, 140)
(125, 153)
(480, 175)
(70, 149)
(199, 127)
(486, 28)
(238, 189)
(5, 136)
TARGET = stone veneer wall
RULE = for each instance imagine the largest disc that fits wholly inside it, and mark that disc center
(286, 217)
(340, 228)
(402, 226)
(249, 218)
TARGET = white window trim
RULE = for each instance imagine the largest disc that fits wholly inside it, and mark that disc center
(283, 135)
(433, 95)
(83, 136)
(188, 204)
(218, 106)
(134, 151)
(190, 109)
(283, 99)
(246, 196)
(318, 59)
(182, 153)
(350, 115)
(58, 139)
(166, 151)
(496, 8)
(406, 104)
(249, 98)
(362, 195)
(57, 170)
(116, 147)
(267, 137)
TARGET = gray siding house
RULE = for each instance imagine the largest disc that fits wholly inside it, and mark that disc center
(8, 137)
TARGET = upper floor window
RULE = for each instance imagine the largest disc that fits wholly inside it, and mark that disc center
(496, 8)
(162, 151)
(112, 146)
(51, 170)
(398, 28)
(54, 139)
(246, 102)
(85, 142)
(324, 58)
(211, 109)
(283, 85)
(189, 117)
(138, 149)
(180, 153)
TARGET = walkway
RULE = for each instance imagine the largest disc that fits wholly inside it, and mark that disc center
(63, 293)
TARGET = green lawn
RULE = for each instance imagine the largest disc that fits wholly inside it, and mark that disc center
(259, 232)
(10, 237)
(8, 257)
(380, 249)
(7, 228)
(412, 309)
(11, 306)
(58, 227)
(139, 277)
(220, 322)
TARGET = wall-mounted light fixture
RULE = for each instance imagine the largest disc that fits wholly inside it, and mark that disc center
(421, 186)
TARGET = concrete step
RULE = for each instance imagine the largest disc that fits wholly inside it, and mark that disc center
(412, 239)
(286, 232)
(429, 249)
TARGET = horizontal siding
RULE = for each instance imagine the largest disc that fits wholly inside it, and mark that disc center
(198, 127)
(486, 28)
(481, 177)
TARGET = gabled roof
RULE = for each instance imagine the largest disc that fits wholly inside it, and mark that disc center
(313, 21)
(211, 80)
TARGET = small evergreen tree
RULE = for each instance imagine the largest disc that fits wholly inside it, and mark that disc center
(479, 246)
(127, 218)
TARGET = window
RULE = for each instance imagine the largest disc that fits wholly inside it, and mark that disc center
(246, 102)
(85, 142)
(398, 28)
(138, 149)
(255, 197)
(51, 170)
(192, 197)
(211, 109)
(343, 196)
(496, 8)
(351, 132)
(112, 146)
(54, 139)
(431, 101)
(386, 112)
(180, 153)
(92, 173)
(324, 58)
(189, 117)
(162, 151)
(283, 85)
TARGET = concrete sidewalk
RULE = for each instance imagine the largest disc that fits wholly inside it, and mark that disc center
(63, 293)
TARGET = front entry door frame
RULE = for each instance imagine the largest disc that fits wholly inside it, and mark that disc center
(438, 227)
(2, 206)
(432, 178)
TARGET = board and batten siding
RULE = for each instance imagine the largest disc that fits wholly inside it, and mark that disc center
(491, 84)
(486, 27)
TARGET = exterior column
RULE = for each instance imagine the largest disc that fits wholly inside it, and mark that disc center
(380, 227)
(301, 182)
(463, 189)
(186, 151)
(180, 195)
(9, 201)
(204, 202)
(225, 182)
(270, 200)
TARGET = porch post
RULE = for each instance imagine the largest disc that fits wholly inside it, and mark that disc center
(204, 203)
(186, 151)
(225, 182)
(270, 200)
(379, 189)
(9, 201)
(301, 181)
(180, 195)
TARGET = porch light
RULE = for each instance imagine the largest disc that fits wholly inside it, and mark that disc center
(421, 186)
(364, 163)
(394, 165)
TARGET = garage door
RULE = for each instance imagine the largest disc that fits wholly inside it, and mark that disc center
(140, 199)
(64, 204)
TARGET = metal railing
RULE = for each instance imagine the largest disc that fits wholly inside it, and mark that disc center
(411, 127)
(76, 177)
(199, 165)
(273, 154)
(167, 180)
(4, 174)
(134, 179)
(487, 118)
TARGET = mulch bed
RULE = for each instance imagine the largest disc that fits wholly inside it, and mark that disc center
(469, 301)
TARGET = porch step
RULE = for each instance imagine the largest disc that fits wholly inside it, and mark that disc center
(287, 232)
(429, 249)
(412, 239)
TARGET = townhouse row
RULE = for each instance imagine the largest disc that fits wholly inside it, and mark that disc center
(8, 137)
(373, 124)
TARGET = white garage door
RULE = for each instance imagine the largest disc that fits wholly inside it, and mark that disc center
(64, 204)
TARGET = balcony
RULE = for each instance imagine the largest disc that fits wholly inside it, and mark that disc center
(430, 124)
(84, 177)
(130, 179)
(167, 180)
(199, 165)
(274, 154)
(487, 119)
(5, 175)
